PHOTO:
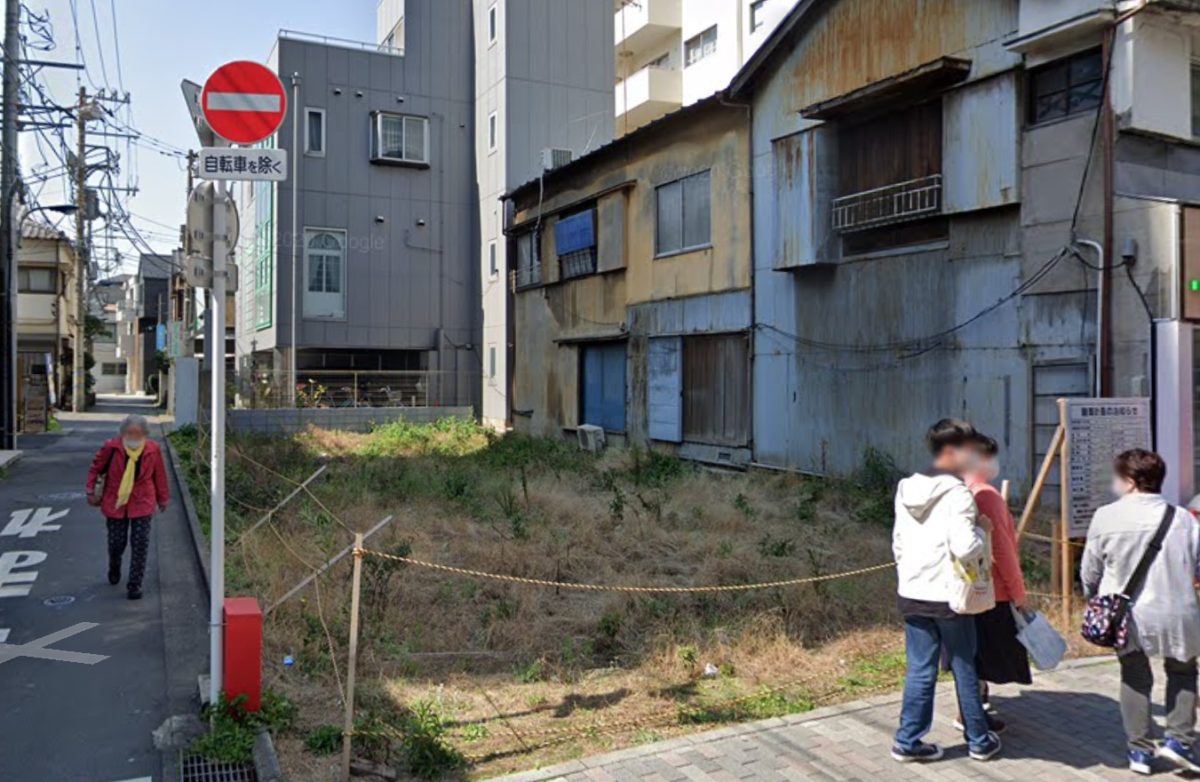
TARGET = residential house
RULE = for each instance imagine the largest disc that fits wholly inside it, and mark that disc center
(672, 53)
(632, 301)
(926, 217)
(46, 299)
(141, 319)
(111, 370)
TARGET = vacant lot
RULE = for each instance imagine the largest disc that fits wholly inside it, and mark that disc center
(476, 676)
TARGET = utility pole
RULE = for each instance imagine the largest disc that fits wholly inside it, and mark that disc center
(8, 242)
(78, 370)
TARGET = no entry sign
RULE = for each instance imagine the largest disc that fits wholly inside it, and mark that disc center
(244, 102)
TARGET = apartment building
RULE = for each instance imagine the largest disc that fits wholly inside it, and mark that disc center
(632, 309)
(45, 303)
(672, 53)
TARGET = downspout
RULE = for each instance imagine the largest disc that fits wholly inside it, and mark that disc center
(297, 237)
(1103, 288)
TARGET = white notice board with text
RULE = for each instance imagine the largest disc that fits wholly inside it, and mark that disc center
(1098, 430)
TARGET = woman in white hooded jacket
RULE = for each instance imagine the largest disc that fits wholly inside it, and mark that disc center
(936, 520)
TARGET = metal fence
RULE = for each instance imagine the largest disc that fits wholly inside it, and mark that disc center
(351, 389)
(890, 204)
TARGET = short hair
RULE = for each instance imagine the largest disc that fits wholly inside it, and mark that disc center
(1144, 469)
(987, 445)
(135, 420)
(949, 433)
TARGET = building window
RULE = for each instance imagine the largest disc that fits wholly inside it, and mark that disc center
(114, 369)
(493, 269)
(325, 273)
(575, 243)
(1196, 99)
(493, 132)
(703, 45)
(262, 307)
(662, 62)
(684, 214)
(493, 24)
(314, 133)
(492, 362)
(400, 138)
(602, 385)
(756, 15)
(529, 262)
(37, 281)
(1068, 86)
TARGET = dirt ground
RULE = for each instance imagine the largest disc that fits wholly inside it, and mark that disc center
(472, 676)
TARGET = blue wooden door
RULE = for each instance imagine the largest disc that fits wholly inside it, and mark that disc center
(602, 382)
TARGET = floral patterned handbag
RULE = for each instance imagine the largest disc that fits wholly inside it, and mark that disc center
(1106, 618)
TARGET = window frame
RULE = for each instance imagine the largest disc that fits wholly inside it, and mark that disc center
(584, 262)
(493, 22)
(493, 262)
(700, 46)
(492, 363)
(308, 112)
(309, 233)
(1194, 85)
(534, 267)
(684, 248)
(23, 280)
(377, 156)
(756, 8)
(493, 128)
(1063, 63)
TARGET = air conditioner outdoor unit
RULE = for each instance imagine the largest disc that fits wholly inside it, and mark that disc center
(553, 158)
(591, 438)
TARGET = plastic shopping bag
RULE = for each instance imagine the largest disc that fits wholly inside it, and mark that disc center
(1045, 645)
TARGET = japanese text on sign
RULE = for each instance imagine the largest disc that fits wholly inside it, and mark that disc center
(243, 165)
(1098, 430)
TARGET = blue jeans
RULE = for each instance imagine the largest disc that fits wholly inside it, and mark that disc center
(924, 639)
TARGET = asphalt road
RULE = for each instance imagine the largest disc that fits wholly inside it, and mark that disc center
(89, 720)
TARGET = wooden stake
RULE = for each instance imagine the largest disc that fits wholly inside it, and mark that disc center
(1066, 567)
(355, 594)
(1035, 494)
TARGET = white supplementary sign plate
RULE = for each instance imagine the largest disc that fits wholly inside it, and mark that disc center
(1098, 430)
(243, 165)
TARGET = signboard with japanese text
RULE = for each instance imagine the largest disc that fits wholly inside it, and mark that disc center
(243, 165)
(1098, 430)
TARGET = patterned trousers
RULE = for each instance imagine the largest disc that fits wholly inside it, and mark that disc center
(118, 535)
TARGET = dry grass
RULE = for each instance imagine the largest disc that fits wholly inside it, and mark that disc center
(502, 664)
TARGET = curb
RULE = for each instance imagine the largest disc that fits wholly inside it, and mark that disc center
(266, 762)
(201, 543)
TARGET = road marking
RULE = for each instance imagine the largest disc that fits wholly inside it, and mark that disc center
(4, 631)
(38, 648)
(10, 561)
(28, 523)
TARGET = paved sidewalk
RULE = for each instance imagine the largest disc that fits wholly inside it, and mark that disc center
(1064, 727)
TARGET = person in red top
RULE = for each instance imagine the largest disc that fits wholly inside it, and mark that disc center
(127, 480)
(1000, 659)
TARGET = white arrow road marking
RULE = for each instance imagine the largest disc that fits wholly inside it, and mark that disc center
(38, 648)
(242, 101)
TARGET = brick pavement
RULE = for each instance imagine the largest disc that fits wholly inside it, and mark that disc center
(1066, 726)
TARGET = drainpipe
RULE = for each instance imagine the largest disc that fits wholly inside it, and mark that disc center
(1103, 288)
(1106, 265)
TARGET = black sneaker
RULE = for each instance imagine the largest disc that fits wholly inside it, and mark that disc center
(988, 749)
(114, 575)
(922, 753)
(135, 593)
(995, 724)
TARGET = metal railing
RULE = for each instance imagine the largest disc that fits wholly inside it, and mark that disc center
(348, 388)
(526, 276)
(341, 43)
(889, 204)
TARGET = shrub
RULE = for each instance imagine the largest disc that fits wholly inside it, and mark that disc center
(231, 739)
(324, 740)
(423, 739)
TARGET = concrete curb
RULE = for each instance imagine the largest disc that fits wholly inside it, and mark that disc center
(266, 762)
(201, 543)
(9, 459)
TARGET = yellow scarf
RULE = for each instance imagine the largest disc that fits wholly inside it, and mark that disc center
(126, 488)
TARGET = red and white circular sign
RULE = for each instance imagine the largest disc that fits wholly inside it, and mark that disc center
(244, 102)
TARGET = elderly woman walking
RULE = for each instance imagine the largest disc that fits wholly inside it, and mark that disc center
(1165, 618)
(127, 481)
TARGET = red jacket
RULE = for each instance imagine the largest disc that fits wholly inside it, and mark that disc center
(1006, 567)
(149, 487)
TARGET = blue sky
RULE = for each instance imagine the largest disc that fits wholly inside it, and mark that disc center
(160, 43)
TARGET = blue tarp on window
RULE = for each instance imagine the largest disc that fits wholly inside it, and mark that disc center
(575, 233)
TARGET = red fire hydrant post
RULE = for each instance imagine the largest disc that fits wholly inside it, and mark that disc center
(243, 651)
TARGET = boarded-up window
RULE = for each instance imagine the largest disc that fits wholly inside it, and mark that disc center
(716, 389)
(897, 147)
(575, 239)
(602, 385)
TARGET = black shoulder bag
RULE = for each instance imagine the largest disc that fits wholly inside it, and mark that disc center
(1106, 619)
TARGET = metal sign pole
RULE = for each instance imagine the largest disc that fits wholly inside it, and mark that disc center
(216, 347)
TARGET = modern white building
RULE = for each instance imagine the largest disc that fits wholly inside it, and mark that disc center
(672, 53)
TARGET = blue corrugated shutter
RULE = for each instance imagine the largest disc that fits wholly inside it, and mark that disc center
(665, 390)
(575, 233)
(603, 385)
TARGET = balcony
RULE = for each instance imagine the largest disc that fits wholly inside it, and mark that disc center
(643, 23)
(36, 309)
(896, 203)
(647, 95)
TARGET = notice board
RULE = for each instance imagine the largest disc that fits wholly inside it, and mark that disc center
(1097, 430)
